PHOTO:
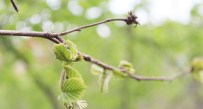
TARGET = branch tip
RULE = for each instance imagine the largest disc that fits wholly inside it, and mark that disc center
(131, 19)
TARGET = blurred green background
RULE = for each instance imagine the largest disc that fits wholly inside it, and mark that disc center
(29, 73)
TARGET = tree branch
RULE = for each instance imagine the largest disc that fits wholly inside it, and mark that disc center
(143, 78)
(55, 37)
(51, 35)
(14, 5)
(97, 62)
(28, 33)
(130, 75)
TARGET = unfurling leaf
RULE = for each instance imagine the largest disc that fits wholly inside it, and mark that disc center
(71, 72)
(62, 78)
(126, 66)
(72, 90)
(65, 99)
(72, 48)
(80, 57)
(73, 84)
(104, 80)
(96, 70)
(198, 76)
(71, 81)
(62, 53)
(197, 69)
(80, 104)
(197, 64)
(119, 74)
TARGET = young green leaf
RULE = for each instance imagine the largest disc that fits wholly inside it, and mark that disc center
(96, 70)
(126, 66)
(197, 64)
(119, 74)
(62, 53)
(73, 84)
(198, 76)
(72, 48)
(71, 72)
(72, 89)
(65, 99)
(197, 69)
(80, 57)
(62, 78)
(80, 104)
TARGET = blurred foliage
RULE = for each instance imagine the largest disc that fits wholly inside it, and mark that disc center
(29, 72)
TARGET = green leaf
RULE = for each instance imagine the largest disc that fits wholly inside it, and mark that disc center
(80, 57)
(73, 84)
(72, 48)
(126, 64)
(79, 104)
(197, 64)
(198, 76)
(62, 53)
(119, 74)
(71, 72)
(96, 70)
(72, 89)
(62, 78)
(64, 98)
(197, 69)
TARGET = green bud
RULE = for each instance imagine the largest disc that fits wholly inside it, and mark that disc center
(197, 69)
(119, 74)
(62, 53)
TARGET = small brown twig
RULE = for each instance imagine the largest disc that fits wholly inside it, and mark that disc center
(97, 62)
(130, 75)
(90, 25)
(14, 5)
(144, 78)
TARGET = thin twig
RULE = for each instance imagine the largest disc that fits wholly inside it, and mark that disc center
(130, 75)
(14, 5)
(54, 40)
(90, 25)
(144, 78)
(97, 62)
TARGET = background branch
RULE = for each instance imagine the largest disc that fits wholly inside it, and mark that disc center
(14, 5)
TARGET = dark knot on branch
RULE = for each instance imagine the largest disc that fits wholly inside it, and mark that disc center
(131, 19)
